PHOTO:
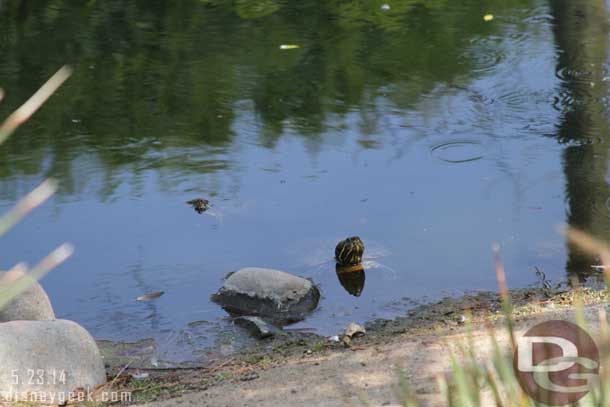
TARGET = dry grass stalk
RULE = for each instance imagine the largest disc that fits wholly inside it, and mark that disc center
(18, 279)
(12, 286)
(32, 200)
(23, 113)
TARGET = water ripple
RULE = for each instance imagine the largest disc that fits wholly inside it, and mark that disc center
(456, 152)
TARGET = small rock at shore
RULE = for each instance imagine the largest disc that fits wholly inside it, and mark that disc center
(354, 330)
(257, 327)
(276, 295)
(33, 304)
(48, 359)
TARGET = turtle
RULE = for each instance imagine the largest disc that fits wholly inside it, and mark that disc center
(200, 205)
(349, 251)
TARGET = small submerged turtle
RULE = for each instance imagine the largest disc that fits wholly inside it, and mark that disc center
(200, 205)
(349, 251)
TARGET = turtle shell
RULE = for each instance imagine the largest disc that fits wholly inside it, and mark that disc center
(349, 251)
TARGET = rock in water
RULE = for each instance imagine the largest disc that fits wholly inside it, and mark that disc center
(279, 296)
(48, 359)
(32, 304)
(257, 327)
(349, 251)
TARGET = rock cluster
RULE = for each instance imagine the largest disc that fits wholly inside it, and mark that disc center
(43, 360)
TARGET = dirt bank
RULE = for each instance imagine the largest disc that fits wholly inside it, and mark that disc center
(308, 370)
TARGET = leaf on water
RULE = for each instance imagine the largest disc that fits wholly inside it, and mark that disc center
(488, 17)
(150, 296)
(289, 46)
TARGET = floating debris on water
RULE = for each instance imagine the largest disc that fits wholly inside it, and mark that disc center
(150, 296)
(385, 7)
(488, 17)
(289, 46)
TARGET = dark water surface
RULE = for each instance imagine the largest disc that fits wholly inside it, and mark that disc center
(423, 129)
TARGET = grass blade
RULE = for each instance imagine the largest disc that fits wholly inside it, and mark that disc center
(35, 198)
(20, 281)
(25, 111)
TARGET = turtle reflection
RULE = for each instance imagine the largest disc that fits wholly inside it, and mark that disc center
(351, 278)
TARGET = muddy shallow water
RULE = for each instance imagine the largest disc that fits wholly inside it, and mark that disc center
(424, 129)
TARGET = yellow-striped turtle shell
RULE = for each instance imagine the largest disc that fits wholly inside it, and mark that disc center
(349, 251)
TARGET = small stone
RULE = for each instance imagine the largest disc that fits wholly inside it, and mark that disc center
(257, 327)
(347, 341)
(354, 330)
(140, 375)
(246, 377)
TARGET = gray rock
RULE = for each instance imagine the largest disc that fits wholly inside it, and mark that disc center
(48, 360)
(32, 304)
(279, 296)
(258, 327)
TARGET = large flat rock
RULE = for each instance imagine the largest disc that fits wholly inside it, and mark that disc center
(274, 294)
(47, 360)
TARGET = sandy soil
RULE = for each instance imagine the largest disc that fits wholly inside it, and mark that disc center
(367, 373)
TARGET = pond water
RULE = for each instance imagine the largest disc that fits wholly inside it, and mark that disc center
(422, 128)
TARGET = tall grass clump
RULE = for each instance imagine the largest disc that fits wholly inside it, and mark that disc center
(21, 277)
